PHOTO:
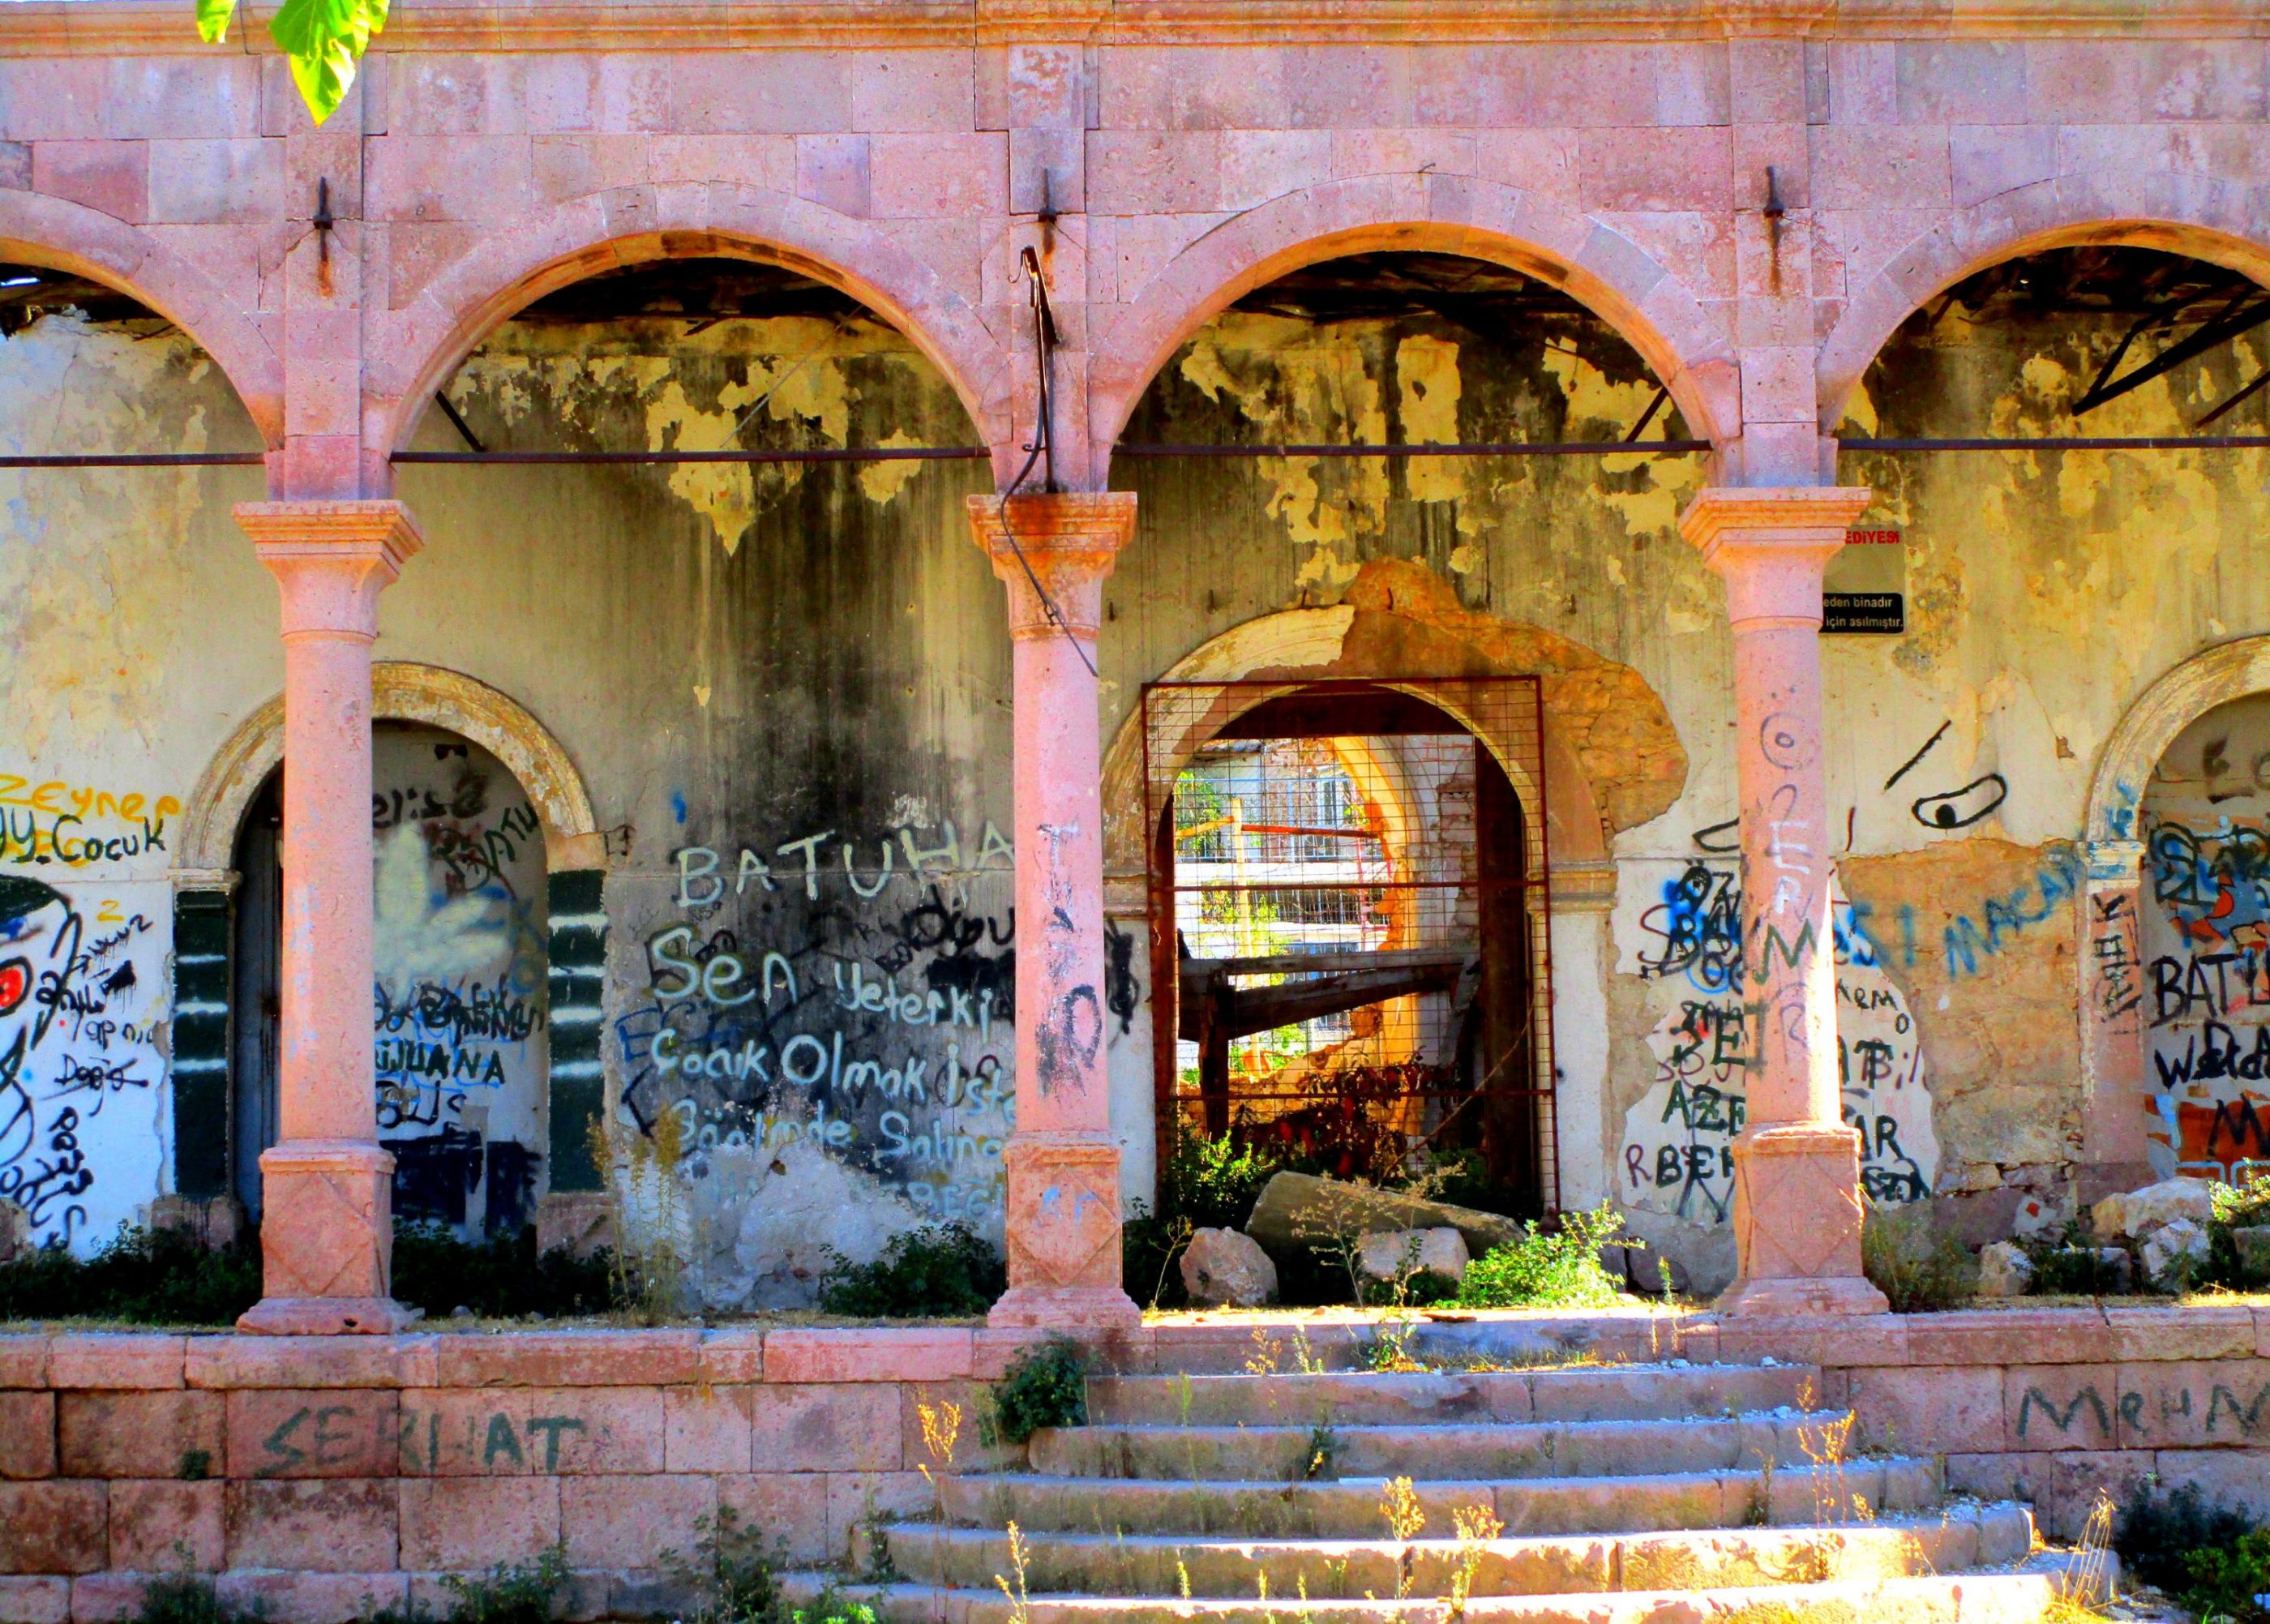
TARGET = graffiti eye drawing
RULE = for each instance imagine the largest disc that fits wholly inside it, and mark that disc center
(1959, 809)
(15, 982)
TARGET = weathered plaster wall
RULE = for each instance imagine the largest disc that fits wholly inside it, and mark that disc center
(772, 679)
(736, 661)
(2043, 592)
(119, 590)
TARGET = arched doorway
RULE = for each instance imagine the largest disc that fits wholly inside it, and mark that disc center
(2206, 943)
(1348, 935)
(460, 1030)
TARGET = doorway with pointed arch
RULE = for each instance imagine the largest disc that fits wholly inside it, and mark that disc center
(1347, 902)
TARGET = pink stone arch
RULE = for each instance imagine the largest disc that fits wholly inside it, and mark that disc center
(547, 248)
(1642, 298)
(39, 230)
(2214, 221)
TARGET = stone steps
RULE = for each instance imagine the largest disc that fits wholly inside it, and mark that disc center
(1575, 1393)
(1344, 1569)
(1967, 1599)
(1350, 1508)
(1664, 1493)
(1531, 1449)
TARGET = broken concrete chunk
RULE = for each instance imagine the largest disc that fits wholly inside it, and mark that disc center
(2173, 1254)
(1388, 1253)
(2005, 1271)
(1299, 1209)
(1224, 1268)
(2252, 1244)
(2136, 1212)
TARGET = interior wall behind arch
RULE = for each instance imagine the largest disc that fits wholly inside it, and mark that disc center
(734, 659)
(132, 613)
(2206, 943)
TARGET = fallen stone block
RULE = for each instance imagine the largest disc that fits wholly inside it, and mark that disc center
(1388, 1253)
(2136, 1212)
(2173, 1254)
(1299, 1209)
(1224, 1268)
(2005, 1271)
(2252, 1243)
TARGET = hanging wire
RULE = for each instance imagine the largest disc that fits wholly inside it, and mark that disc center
(1044, 338)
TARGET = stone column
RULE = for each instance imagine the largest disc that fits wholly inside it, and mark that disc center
(327, 1235)
(2116, 1095)
(1061, 1163)
(1797, 1166)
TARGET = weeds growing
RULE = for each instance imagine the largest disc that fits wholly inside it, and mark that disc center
(190, 1599)
(1046, 1386)
(1559, 1269)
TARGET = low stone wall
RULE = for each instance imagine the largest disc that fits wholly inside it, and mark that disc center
(2049, 1404)
(330, 1477)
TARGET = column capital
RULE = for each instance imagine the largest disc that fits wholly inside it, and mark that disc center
(1070, 538)
(1770, 543)
(331, 558)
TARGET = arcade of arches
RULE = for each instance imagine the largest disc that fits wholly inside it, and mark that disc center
(1703, 818)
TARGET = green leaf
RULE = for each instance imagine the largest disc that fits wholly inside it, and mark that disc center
(324, 40)
(214, 19)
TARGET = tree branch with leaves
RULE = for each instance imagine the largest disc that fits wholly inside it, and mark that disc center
(324, 40)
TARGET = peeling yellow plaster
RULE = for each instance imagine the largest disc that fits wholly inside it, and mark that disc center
(723, 493)
(880, 482)
(1293, 379)
(1601, 409)
(791, 369)
(1428, 389)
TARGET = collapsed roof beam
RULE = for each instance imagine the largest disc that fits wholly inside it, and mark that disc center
(2240, 318)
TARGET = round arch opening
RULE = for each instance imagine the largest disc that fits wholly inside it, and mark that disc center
(460, 1022)
(1348, 906)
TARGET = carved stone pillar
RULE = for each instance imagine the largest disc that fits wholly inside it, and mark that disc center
(2116, 1095)
(327, 1232)
(1061, 1162)
(1797, 1166)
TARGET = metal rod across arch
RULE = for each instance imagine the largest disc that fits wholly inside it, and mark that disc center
(894, 454)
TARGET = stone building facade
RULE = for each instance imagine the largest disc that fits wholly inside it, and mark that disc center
(751, 795)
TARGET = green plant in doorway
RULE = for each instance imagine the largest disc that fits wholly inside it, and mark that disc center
(1556, 1269)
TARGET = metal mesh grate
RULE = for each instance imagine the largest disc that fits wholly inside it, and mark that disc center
(1348, 905)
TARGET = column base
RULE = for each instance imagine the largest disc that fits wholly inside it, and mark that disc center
(328, 1317)
(1065, 1308)
(1849, 1294)
(1062, 1233)
(1797, 1222)
(326, 1241)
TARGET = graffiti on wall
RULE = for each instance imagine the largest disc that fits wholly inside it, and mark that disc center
(856, 996)
(1676, 1155)
(2206, 990)
(457, 995)
(52, 820)
(83, 1014)
(2202, 982)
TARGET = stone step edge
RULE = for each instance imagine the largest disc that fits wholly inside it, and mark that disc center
(1998, 1533)
(1852, 1598)
(1620, 1373)
(1424, 1431)
(983, 1481)
(1326, 1546)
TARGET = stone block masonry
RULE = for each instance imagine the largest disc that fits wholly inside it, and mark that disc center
(325, 1479)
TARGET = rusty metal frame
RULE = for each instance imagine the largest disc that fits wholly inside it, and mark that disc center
(1535, 884)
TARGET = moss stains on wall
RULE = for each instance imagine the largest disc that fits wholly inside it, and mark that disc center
(809, 664)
